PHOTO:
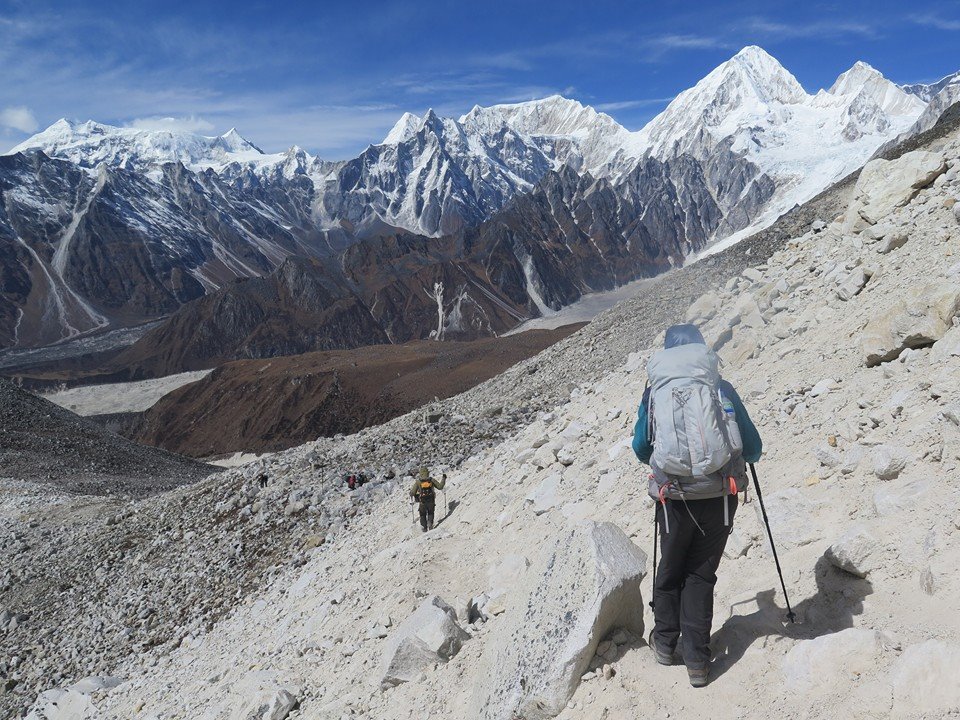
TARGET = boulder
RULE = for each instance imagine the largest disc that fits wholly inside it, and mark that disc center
(925, 679)
(545, 496)
(829, 660)
(703, 309)
(885, 185)
(892, 498)
(855, 552)
(946, 347)
(891, 242)
(852, 284)
(62, 704)
(922, 318)
(430, 635)
(889, 461)
(585, 584)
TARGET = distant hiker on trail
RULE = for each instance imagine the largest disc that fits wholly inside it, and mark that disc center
(694, 432)
(423, 491)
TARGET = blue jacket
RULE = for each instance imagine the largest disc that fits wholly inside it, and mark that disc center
(752, 444)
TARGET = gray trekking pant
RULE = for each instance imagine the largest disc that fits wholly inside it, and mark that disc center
(687, 573)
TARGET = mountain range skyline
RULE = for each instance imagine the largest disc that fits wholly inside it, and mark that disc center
(236, 139)
(334, 80)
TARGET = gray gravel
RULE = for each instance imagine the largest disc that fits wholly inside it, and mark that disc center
(42, 442)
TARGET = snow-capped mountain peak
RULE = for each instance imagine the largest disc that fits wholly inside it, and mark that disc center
(405, 128)
(755, 69)
(872, 85)
(90, 144)
(928, 91)
(233, 141)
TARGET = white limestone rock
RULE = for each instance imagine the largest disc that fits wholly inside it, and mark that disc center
(885, 185)
(925, 679)
(921, 318)
(856, 552)
(585, 584)
(430, 635)
(824, 662)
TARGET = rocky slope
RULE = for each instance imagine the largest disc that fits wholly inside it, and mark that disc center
(43, 443)
(288, 401)
(273, 608)
(104, 227)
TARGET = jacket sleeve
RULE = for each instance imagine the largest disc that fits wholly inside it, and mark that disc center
(641, 443)
(439, 482)
(414, 488)
(752, 444)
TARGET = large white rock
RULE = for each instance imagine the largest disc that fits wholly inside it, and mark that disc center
(823, 662)
(63, 705)
(585, 583)
(885, 185)
(430, 635)
(704, 308)
(921, 318)
(545, 496)
(856, 552)
(946, 347)
(852, 284)
(926, 679)
(73, 702)
(889, 461)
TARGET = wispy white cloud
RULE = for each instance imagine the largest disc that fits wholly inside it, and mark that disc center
(832, 29)
(19, 118)
(629, 104)
(935, 21)
(191, 124)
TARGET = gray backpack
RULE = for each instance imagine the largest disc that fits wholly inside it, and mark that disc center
(693, 427)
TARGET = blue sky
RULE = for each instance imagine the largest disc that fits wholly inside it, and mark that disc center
(334, 76)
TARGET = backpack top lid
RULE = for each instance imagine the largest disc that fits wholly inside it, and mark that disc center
(683, 362)
(686, 334)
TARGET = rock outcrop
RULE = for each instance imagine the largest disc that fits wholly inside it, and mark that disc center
(430, 635)
(920, 319)
(585, 584)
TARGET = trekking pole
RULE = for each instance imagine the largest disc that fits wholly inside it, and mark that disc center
(766, 521)
(656, 531)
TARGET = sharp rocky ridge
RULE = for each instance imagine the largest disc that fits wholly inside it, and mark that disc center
(104, 227)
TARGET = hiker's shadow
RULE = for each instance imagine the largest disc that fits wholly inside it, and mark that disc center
(838, 599)
(451, 506)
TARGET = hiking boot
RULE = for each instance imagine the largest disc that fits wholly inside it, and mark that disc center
(698, 676)
(430, 526)
(662, 654)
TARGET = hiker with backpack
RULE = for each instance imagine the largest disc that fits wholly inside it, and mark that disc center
(424, 492)
(695, 434)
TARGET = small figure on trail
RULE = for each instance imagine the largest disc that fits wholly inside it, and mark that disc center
(355, 480)
(263, 479)
(694, 432)
(423, 491)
